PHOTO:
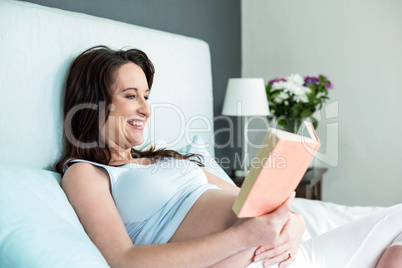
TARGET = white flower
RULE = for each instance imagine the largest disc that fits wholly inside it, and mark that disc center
(296, 79)
(280, 97)
(300, 90)
(278, 85)
(300, 93)
(277, 100)
(307, 90)
(283, 95)
(293, 88)
(302, 98)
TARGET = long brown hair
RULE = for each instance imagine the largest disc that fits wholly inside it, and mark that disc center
(88, 89)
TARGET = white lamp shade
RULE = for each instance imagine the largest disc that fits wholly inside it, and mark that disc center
(245, 97)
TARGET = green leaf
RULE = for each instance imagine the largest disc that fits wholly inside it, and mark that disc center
(305, 113)
(314, 121)
(281, 122)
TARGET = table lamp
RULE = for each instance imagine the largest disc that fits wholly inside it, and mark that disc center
(245, 97)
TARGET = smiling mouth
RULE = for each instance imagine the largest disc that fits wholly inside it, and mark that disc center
(136, 123)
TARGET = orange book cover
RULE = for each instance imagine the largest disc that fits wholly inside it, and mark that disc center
(275, 172)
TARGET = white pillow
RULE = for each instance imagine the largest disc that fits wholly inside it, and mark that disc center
(198, 146)
(38, 226)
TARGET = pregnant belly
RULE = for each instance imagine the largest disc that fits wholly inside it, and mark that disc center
(212, 213)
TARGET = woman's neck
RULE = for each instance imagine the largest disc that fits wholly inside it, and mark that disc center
(119, 154)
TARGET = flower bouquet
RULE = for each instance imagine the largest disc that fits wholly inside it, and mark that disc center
(295, 98)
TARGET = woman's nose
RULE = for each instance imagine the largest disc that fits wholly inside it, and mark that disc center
(144, 108)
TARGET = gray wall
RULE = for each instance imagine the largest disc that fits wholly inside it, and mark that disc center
(357, 44)
(216, 22)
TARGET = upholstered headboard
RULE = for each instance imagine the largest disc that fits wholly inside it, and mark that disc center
(37, 45)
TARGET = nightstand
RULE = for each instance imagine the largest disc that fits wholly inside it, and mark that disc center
(309, 187)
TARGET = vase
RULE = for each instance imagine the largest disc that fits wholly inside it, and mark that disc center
(290, 124)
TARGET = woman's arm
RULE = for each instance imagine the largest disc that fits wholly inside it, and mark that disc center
(88, 190)
(221, 183)
(288, 240)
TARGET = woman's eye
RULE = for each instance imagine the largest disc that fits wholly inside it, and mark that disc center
(146, 97)
(130, 97)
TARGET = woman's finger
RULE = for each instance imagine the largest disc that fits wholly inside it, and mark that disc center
(287, 262)
(284, 259)
(262, 254)
(274, 252)
(283, 242)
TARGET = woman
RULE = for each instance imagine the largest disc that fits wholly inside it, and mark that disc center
(154, 217)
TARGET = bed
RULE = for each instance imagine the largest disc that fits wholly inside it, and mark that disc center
(38, 227)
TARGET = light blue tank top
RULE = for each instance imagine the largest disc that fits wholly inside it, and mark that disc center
(154, 199)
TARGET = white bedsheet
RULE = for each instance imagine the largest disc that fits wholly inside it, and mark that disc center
(322, 216)
(356, 244)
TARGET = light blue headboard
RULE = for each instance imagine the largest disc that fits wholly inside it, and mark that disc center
(37, 45)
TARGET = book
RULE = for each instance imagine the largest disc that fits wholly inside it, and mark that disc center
(276, 170)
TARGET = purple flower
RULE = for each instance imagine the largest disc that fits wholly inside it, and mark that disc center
(273, 81)
(328, 85)
(276, 80)
(311, 80)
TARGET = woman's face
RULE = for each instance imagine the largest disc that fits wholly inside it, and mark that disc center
(129, 110)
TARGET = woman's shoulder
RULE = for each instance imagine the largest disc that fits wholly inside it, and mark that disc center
(79, 167)
(82, 173)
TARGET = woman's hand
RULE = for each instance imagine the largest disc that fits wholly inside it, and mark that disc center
(284, 249)
(266, 229)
